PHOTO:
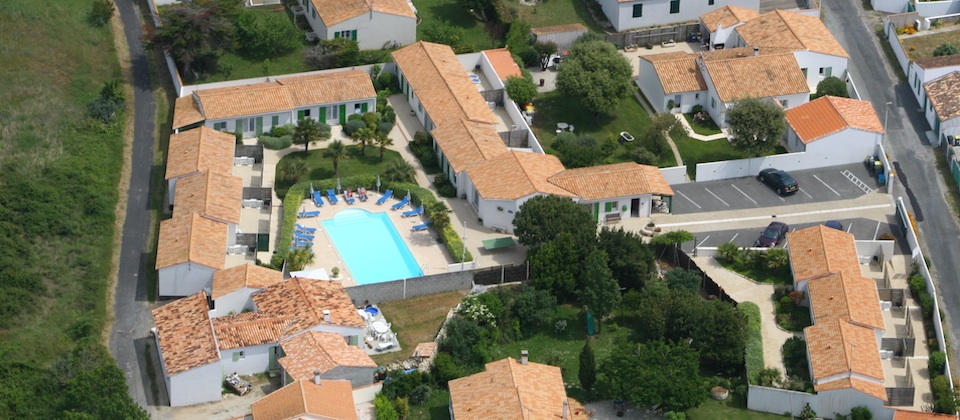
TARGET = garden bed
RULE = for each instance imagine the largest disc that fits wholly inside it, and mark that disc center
(702, 127)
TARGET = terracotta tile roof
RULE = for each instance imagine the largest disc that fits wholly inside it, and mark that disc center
(843, 295)
(944, 94)
(503, 63)
(558, 29)
(509, 390)
(677, 72)
(760, 76)
(209, 194)
(323, 351)
(332, 399)
(611, 181)
(829, 114)
(192, 238)
(341, 86)
(516, 174)
(185, 334)
(878, 391)
(307, 299)
(817, 251)
(248, 275)
(425, 349)
(900, 414)
(839, 347)
(332, 12)
(466, 142)
(200, 149)
(250, 329)
(938, 62)
(186, 111)
(791, 30)
(727, 16)
(439, 81)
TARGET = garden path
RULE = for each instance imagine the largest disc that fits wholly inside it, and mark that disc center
(693, 135)
(673, 146)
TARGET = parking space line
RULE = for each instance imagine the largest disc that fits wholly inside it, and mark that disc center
(876, 231)
(704, 240)
(688, 199)
(715, 196)
(734, 236)
(850, 226)
(782, 216)
(806, 194)
(744, 194)
(825, 185)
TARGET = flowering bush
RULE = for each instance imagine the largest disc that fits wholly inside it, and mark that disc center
(906, 30)
(472, 309)
(701, 118)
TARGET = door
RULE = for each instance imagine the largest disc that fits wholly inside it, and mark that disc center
(596, 212)
(343, 114)
(259, 125)
(300, 114)
(676, 100)
(635, 207)
(323, 114)
(363, 108)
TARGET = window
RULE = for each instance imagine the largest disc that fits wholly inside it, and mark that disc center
(710, 2)
(251, 124)
(238, 356)
(822, 71)
(220, 126)
(674, 6)
(357, 109)
(783, 103)
(274, 120)
(346, 34)
(804, 73)
(696, 96)
(314, 13)
(826, 71)
(713, 102)
(638, 10)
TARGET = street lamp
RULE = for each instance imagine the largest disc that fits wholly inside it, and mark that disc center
(463, 255)
(886, 113)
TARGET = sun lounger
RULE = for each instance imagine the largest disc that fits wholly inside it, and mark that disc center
(317, 201)
(415, 212)
(386, 196)
(332, 196)
(299, 235)
(305, 229)
(348, 197)
(308, 214)
(422, 226)
(362, 194)
(405, 201)
(303, 242)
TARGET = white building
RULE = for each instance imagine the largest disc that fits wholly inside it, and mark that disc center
(188, 351)
(252, 107)
(307, 399)
(198, 150)
(633, 14)
(328, 355)
(943, 114)
(374, 24)
(249, 342)
(832, 128)
(212, 195)
(233, 288)
(718, 25)
(189, 249)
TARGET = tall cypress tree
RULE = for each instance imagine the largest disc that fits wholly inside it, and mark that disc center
(588, 367)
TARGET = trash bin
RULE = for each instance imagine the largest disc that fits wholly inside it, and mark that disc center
(541, 82)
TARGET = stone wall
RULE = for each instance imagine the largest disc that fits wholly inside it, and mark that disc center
(410, 288)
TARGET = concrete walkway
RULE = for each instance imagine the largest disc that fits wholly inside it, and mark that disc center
(693, 135)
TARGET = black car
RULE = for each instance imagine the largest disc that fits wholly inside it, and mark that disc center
(772, 235)
(834, 224)
(779, 181)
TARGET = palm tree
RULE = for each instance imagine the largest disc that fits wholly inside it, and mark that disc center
(309, 130)
(399, 171)
(776, 258)
(364, 136)
(293, 170)
(300, 258)
(337, 151)
(383, 141)
(438, 214)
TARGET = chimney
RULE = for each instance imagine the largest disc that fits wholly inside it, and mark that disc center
(566, 410)
(524, 356)
(316, 381)
(326, 315)
(756, 51)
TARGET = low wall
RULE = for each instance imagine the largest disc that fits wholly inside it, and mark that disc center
(890, 25)
(410, 288)
(366, 394)
(675, 175)
(641, 37)
(779, 401)
(713, 171)
(889, 6)
(936, 8)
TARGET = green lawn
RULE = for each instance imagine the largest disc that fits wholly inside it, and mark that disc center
(694, 151)
(790, 316)
(321, 167)
(922, 46)
(708, 128)
(734, 407)
(552, 107)
(555, 12)
(416, 321)
(437, 407)
(780, 276)
(474, 31)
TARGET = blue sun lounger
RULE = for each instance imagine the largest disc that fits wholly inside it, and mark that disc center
(317, 201)
(299, 235)
(304, 229)
(332, 196)
(405, 201)
(386, 196)
(422, 226)
(303, 242)
(348, 199)
(415, 212)
(308, 214)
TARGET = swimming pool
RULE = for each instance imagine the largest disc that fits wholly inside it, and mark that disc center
(371, 247)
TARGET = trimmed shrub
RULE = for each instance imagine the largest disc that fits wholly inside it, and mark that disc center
(754, 349)
(444, 370)
(442, 183)
(420, 394)
(283, 130)
(275, 143)
(100, 13)
(384, 409)
(353, 125)
(937, 363)
(388, 114)
(944, 400)
(385, 127)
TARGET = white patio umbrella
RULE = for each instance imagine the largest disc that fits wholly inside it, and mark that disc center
(378, 184)
(338, 186)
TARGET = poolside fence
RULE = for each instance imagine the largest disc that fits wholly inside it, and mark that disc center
(410, 288)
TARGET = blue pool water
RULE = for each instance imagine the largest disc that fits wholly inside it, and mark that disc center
(371, 247)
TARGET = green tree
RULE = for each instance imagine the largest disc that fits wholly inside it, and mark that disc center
(440, 31)
(521, 89)
(671, 241)
(532, 306)
(293, 169)
(944, 399)
(946, 49)
(654, 373)
(194, 35)
(596, 76)
(300, 258)
(683, 279)
(776, 258)
(936, 363)
(728, 251)
(364, 136)
(588, 367)
(832, 86)
(542, 218)
(860, 413)
(630, 259)
(336, 152)
(599, 291)
(545, 50)
(579, 150)
(399, 171)
(265, 35)
(383, 141)
(100, 12)
(445, 369)
(551, 266)
(384, 409)
(756, 126)
(308, 131)
(438, 213)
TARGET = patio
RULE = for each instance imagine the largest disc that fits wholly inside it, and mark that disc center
(379, 337)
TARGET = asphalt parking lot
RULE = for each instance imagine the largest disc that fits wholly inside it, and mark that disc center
(816, 185)
(861, 228)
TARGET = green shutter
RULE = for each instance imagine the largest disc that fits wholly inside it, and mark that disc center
(323, 114)
(343, 114)
(274, 121)
(363, 107)
(596, 211)
(353, 35)
(259, 125)
(238, 126)
(829, 71)
(236, 356)
(336, 35)
(608, 206)
(300, 115)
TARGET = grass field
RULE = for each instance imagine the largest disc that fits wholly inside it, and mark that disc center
(475, 32)
(734, 407)
(705, 129)
(416, 321)
(556, 12)
(923, 46)
(321, 167)
(694, 151)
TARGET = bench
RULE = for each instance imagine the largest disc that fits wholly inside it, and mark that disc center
(612, 217)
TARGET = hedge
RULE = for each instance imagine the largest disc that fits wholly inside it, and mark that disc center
(754, 350)
(293, 201)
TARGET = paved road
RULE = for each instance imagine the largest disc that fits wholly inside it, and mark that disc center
(131, 309)
(920, 184)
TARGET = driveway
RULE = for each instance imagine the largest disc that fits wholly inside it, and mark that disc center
(861, 228)
(906, 143)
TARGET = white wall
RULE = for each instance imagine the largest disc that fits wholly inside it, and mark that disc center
(897, 48)
(869, 249)
(889, 6)
(649, 83)
(234, 302)
(376, 30)
(256, 359)
(367, 393)
(825, 404)
(501, 219)
(489, 72)
(171, 190)
(185, 279)
(675, 175)
(657, 12)
(937, 8)
(814, 62)
(850, 145)
(563, 39)
(721, 35)
(713, 171)
(195, 386)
